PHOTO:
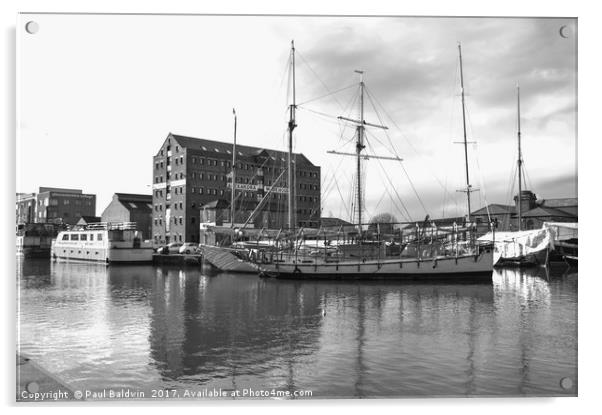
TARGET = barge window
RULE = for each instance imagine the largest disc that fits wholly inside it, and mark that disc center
(84, 237)
(75, 237)
(99, 236)
(91, 236)
(66, 237)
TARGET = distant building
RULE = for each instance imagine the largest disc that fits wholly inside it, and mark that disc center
(333, 222)
(54, 205)
(26, 208)
(127, 207)
(503, 215)
(533, 212)
(189, 173)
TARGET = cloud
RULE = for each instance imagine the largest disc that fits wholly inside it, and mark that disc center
(412, 69)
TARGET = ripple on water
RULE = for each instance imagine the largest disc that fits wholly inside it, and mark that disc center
(143, 327)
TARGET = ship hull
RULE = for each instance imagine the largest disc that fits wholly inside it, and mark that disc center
(528, 260)
(103, 255)
(440, 268)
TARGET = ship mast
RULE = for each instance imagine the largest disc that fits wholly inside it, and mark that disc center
(233, 173)
(519, 161)
(291, 127)
(359, 146)
(468, 189)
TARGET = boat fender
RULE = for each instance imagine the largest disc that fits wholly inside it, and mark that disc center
(476, 257)
(435, 263)
(296, 270)
(418, 263)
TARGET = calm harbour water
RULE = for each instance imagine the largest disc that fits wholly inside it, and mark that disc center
(145, 327)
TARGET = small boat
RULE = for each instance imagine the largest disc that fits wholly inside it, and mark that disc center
(564, 242)
(102, 242)
(520, 248)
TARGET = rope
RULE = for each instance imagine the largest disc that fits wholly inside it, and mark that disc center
(326, 95)
(370, 96)
(392, 186)
(317, 77)
(404, 170)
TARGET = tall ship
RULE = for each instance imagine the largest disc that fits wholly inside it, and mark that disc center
(102, 242)
(413, 250)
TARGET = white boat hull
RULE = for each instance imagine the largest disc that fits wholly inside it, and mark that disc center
(449, 268)
(103, 255)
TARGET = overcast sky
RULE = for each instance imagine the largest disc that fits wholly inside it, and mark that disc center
(97, 95)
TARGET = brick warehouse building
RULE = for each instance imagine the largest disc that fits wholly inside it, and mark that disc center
(128, 207)
(56, 205)
(189, 173)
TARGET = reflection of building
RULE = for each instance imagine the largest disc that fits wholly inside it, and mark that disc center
(201, 326)
(127, 207)
(189, 173)
(56, 205)
(534, 212)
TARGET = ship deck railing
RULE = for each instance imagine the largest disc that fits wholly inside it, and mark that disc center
(408, 242)
(112, 226)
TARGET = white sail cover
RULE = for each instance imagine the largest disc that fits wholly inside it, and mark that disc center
(562, 231)
(513, 245)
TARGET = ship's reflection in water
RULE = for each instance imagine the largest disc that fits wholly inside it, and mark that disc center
(145, 327)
